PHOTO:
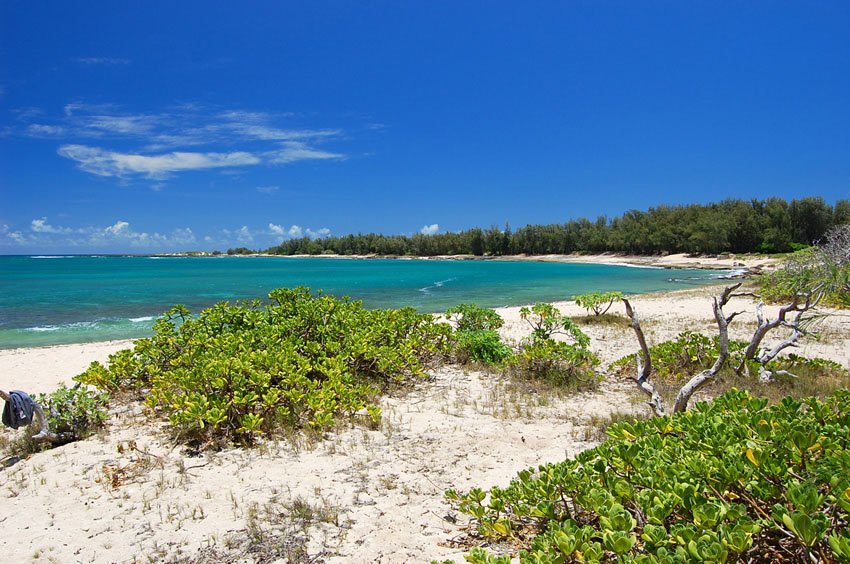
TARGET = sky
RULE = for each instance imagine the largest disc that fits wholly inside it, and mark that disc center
(158, 126)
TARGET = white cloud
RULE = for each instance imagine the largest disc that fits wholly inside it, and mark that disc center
(101, 61)
(296, 231)
(158, 144)
(430, 229)
(121, 125)
(41, 130)
(243, 235)
(108, 163)
(319, 233)
(267, 189)
(41, 226)
(119, 235)
(292, 151)
(118, 228)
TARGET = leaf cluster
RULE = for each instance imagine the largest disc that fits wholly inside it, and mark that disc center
(730, 480)
(74, 413)
(598, 302)
(546, 320)
(240, 371)
(472, 317)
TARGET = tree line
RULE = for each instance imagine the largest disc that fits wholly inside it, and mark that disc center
(773, 225)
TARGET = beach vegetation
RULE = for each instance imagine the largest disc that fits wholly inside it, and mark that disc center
(824, 268)
(752, 356)
(735, 479)
(74, 413)
(483, 346)
(472, 317)
(569, 365)
(238, 372)
(598, 302)
(546, 320)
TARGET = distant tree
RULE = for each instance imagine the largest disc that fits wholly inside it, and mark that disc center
(240, 251)
(811, 218)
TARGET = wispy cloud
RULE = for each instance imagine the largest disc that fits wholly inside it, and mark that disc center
(111, 163)
(292, 151)
(101, 61)
(268, 189)
(107, 141)
(430, 229)
(41, 130)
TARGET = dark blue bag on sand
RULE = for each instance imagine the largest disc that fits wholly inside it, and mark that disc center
(18, 410)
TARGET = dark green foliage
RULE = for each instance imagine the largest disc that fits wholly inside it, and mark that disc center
(240, 251)
(730, 480)
(471, 317)
(240, 371)
(481, 345)
(74, 413)
(738, 226)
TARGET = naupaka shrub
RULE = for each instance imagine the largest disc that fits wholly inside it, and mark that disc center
(239, 371)
(730, 480)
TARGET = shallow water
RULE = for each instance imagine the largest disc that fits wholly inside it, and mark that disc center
(46, 300)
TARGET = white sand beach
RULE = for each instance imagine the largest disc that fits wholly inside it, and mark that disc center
(129, 494)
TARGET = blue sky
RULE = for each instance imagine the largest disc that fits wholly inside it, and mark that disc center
(162, 126)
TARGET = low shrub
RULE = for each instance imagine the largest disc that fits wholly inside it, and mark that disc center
(237, 372)
(729, 480)
(546, 320)
(471, 317)
(556, 362)
(484, 346)
(598, 302)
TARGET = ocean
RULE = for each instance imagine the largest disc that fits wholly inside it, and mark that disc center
(49, 300)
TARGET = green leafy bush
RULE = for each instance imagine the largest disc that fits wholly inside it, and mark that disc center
(483, 346)
(729, 480)
(556, 362)
(546, 320)
(74, 413)
(240, 371)
(598, 302)
(471, 317)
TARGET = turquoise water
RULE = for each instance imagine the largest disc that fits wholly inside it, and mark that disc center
(73, 299)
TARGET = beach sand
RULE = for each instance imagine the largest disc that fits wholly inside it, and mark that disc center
(129, 494)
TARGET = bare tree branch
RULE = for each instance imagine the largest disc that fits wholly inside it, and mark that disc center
(701, 379)
(801, 304)
(644, 369)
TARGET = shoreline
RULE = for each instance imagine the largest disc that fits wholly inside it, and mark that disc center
(753, 264)
(129, 492)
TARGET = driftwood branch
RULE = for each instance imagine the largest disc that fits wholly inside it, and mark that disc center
(644, 368)
(801, 304)
(644, 359)
(701, 379)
